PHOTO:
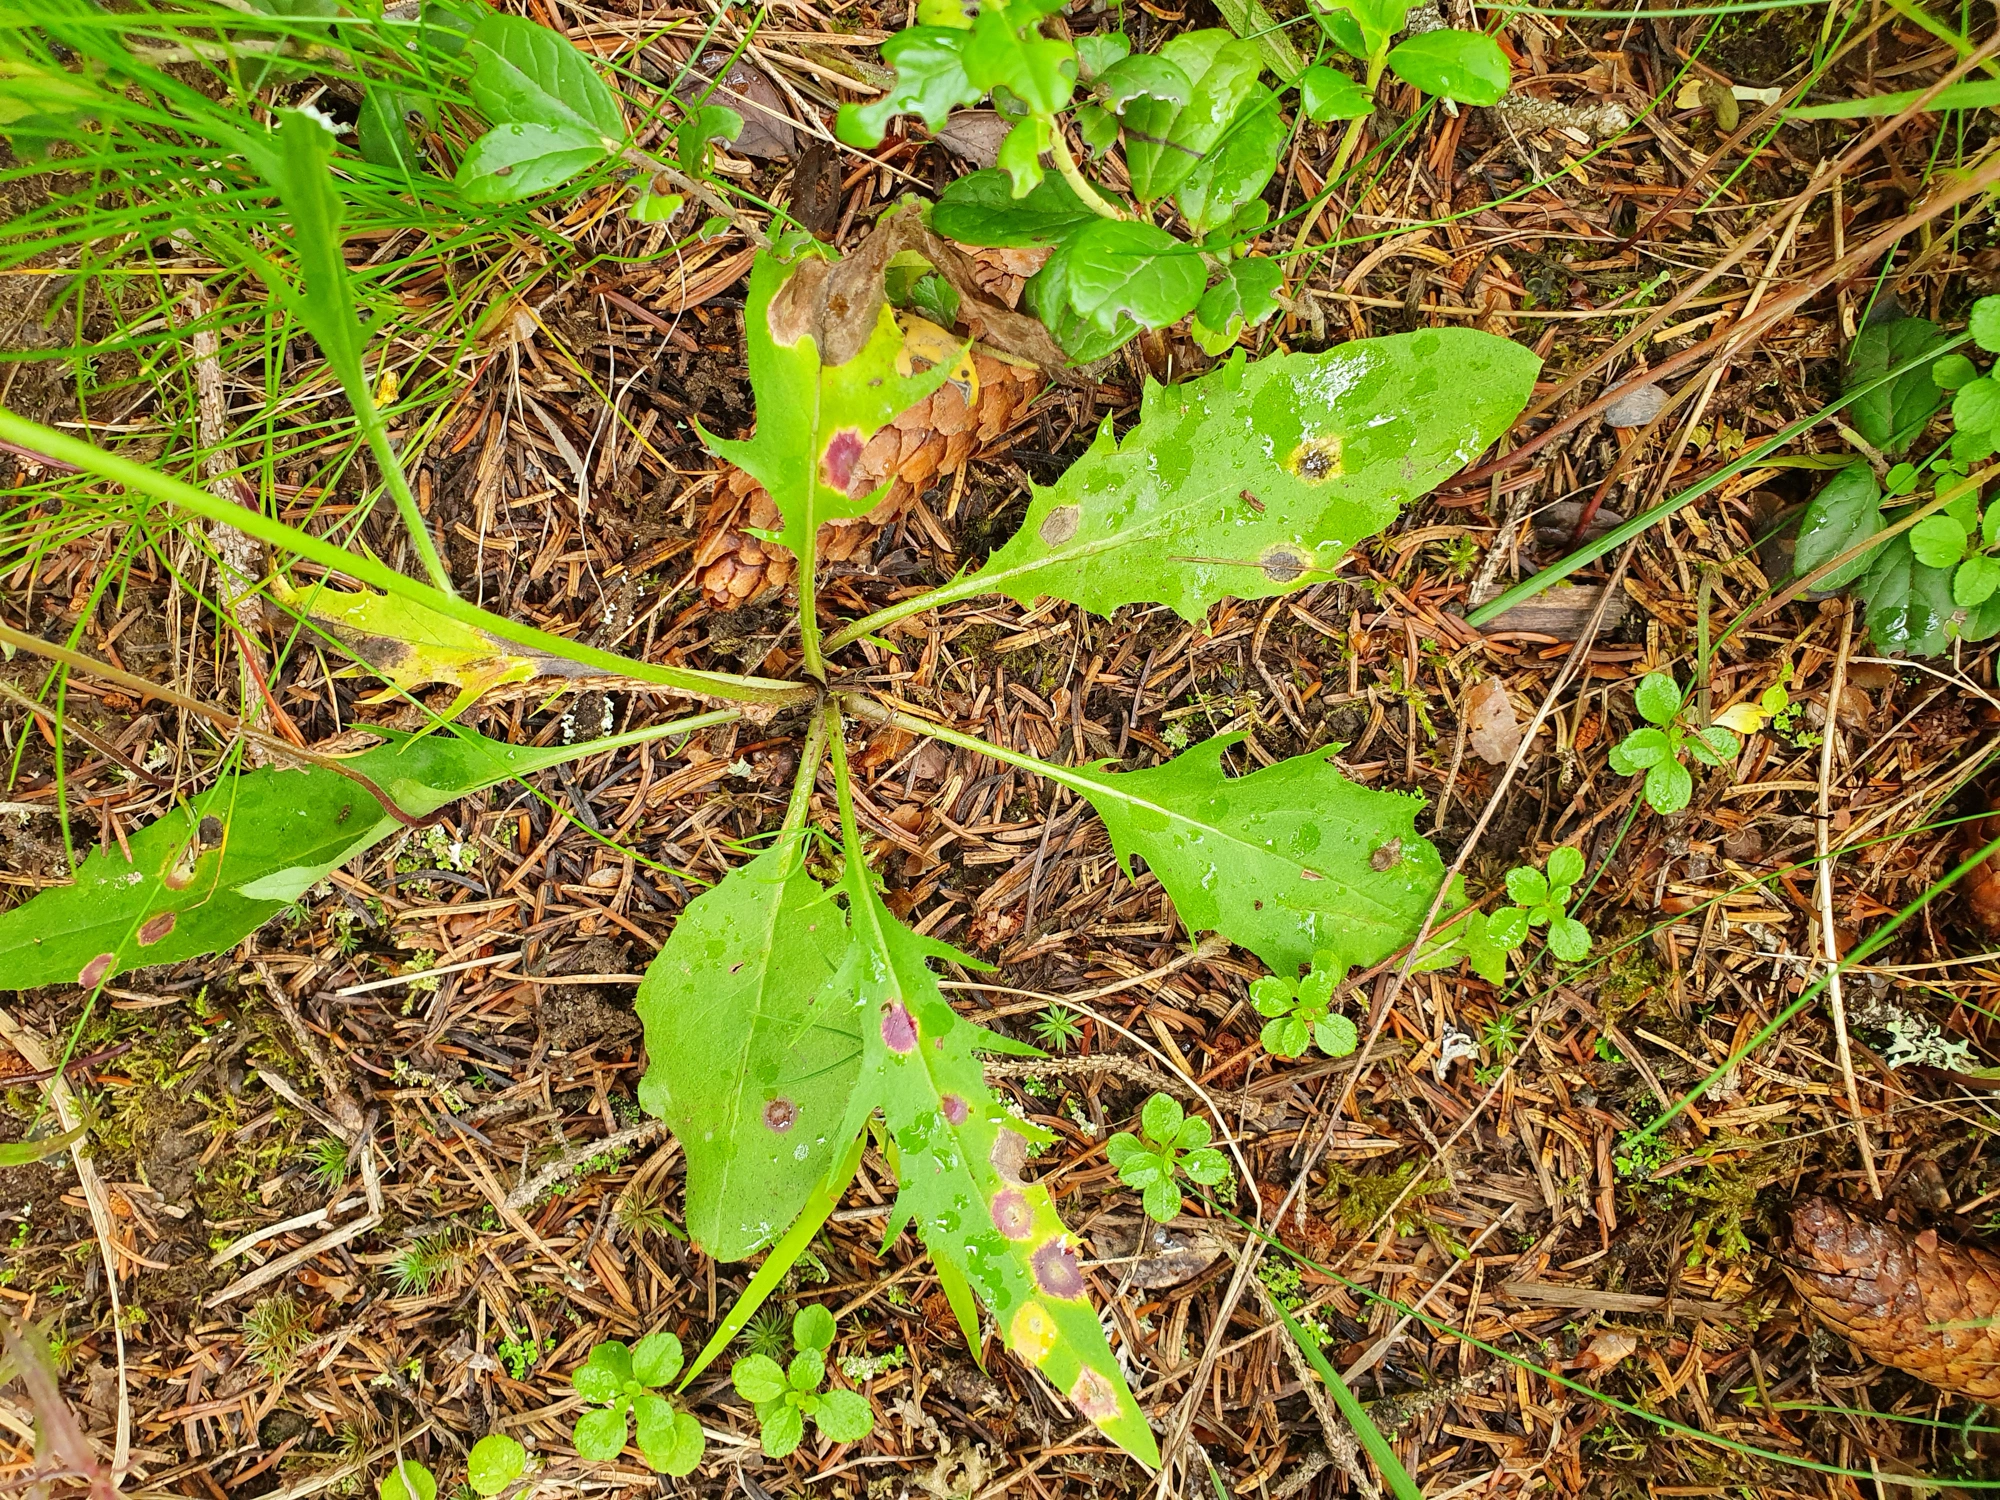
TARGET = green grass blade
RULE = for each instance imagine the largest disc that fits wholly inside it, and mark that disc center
(1612, 540)
(274, 533)
(958, 1292)
(1393, 1473)
(784, 1255)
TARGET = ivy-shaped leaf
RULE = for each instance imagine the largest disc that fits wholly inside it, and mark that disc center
(959, 1159)
(1909, 605)
(930, 83)
(1257, 478)
(1467, 66)
(212, 871)
(1846, 512)
(1245, 297)
(981, 209)
(1893, 415)
(1165, 139)
(1294, 861)
(1235, 169)
(814, 419)
(752, 1078)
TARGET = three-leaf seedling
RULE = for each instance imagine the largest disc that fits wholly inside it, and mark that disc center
(1539, 900)
(1299, 1011)
(621, 1383)
(1658, 748)
(786, 1395)
(1175, 1144)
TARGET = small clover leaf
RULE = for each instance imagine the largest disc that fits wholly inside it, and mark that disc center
(1286, 1036)
(602, 1377)
(656, 1359)
(758, 1378)
(807, 1369)
(1569, 940)
(783, 1430)
(495, 1462)
(1657, 697)
(1640, 749)
(1336, 1036)
(1668, 787)
(409, 1480)
(1527, 886)
(845, 1416)
(600, 1434)
(812, 1328)
(1565, 870)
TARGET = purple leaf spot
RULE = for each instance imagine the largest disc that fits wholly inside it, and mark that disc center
(1057, 1270)
(899, 1031)
(155, 928)
(955, 1109)
(1011, 1214)
(92, 974)
(843, 452)
(781, 1114)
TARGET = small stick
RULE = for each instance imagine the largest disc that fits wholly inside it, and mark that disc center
(1825, 893)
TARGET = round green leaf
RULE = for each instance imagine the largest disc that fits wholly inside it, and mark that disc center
(1569, 940)
(516, 161)
(409, 1480)
(1977, 577)
(1986, 324)
(495, 1462)
(1657, 697)
(783, 1430)
(1193, 1134)
(602, 1376)
(1329, 94)
(1565, 866)
(1938, 541)
(1162, 1200)
(1317, 987)
(758, 1377)
(1285, 1037)
(1714, 746)
(1143, 1170)
(1953, 371)
(656, 1359)
(1161, 1118)
(1274, 995)
(1526, 886)
(1507, 928)
(1207, 1166)
(845, 1416)
(1639, 749)
(808, 1369)
(1122, 1147)
(1336, 1036)
(657, 1434)
(812, 1328)
(1669, 786)
(600, 1435)
(1976, 407)
(1467, 66)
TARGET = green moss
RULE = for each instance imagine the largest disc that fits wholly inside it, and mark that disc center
(1359, 1200)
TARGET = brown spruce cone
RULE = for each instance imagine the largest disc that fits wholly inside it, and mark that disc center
(936, 436)
(1910, 1301)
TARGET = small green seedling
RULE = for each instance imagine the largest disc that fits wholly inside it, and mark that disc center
(1175, 1143)
(1538, 901)
(1657, 748)
(409, 1480)
(495, 1462)
(786, 1395)
(1057, 1028)
(1298, 1011)
(621, 1382)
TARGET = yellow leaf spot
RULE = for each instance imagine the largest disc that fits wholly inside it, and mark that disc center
(1033, 1333)
(925, 346)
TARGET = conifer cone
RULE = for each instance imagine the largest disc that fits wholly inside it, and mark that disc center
(1910, 1301)
(936, 436)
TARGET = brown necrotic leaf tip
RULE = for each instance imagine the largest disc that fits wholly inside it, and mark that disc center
(1910, 1301)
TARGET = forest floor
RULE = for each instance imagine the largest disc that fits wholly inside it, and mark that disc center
(378, 1178)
